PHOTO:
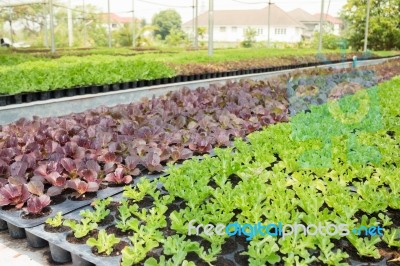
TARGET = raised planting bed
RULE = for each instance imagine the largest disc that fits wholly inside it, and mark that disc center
(63, 76)
(281, 175)
(103, 147)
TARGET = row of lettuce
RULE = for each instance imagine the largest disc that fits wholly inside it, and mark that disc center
(26, 73)
(80, 153)
(324, 167)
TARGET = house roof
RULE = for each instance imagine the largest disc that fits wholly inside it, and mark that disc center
(329, 18)
(115, 18)
(302, 15)
(248, 18)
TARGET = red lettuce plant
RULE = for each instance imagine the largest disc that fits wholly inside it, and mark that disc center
(118, 176)
(81, 187)
(35, 205)
(14, 195)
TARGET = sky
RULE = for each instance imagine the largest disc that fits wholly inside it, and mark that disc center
(147, 8)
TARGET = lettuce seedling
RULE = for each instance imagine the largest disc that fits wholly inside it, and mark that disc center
(118, 176)
(124, 215)
(178, 248)
(95, 216)
(80, 229)
(263, 252)
(327, 255)
(104, 242)
(392, 237)
(35, 205)
(211, 254)
(153, 217)
(81, 187)
(137, 251)
(56, 221)
(365, 246)
(171, 262)
(14, 195)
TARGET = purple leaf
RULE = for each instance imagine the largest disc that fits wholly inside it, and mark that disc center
(36, 188)
(14, 195)
(18, 169)
(36, 205)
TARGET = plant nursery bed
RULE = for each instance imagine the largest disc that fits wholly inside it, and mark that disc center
(64, 247)
(186, 73)
(274, 177)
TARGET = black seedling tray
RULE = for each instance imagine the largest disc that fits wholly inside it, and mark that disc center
(81, 254)
(14, 217)
(62, 251)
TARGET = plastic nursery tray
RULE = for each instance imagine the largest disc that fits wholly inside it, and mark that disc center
(63, 251)
(14, 217)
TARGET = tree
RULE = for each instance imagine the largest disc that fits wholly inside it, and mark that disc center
(384, 23)
(249, 37)
(176, 37)
(165, 21)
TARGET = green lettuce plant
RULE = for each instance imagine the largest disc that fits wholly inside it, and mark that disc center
(81, 229)
(262, 252)
(56, 221)
(104, 242)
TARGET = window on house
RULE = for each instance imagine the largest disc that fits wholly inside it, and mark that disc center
(260, 31)
(234, 29)
(222, 29)
(114, 25)
(280, 31)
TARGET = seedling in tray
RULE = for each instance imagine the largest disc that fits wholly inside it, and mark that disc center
(104, 243)
(56, 221)
(81, 229)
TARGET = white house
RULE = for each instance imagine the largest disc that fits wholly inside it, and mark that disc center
(230, 25)
(311, 22)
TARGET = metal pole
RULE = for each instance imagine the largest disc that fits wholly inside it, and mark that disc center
(211, 28)
(53, 43)
(46, 28)
(321, 28)
(84, 23)
(193, 24)
(109, 25)
(10, 20)
(269, 23)
(70, 29)
(133, 25)
(366, 27)
(196, 25)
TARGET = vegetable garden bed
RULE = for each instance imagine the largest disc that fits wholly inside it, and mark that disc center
(265, 180)
(44, 157)
(68, 76)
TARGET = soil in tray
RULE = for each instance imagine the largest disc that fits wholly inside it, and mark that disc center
(241, 260)
(107, 220)
(116, 250)
(221, 261)
(118, 232)
(58, 229)
(113, 206)
(57, 200)
(86, 196)
(46, 211)
(71, 239)
(389, 252)
(229, 246)
(10, 208)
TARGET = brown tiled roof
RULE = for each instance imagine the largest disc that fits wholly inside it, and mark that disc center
(330, 18)
(115, 18)
(248, 18)
(302, 15)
